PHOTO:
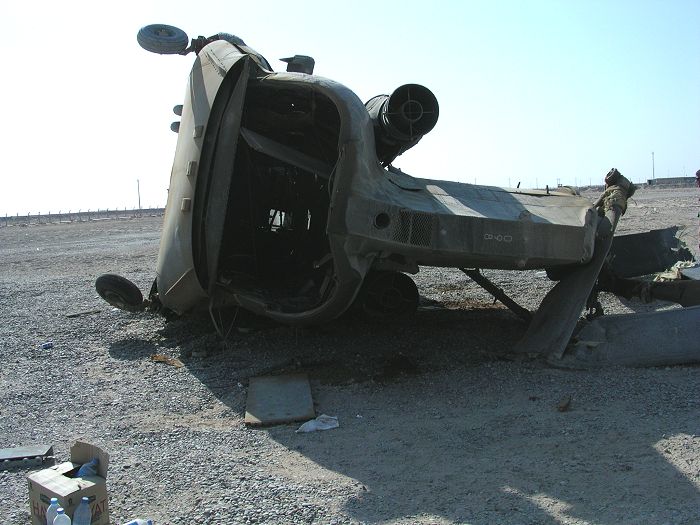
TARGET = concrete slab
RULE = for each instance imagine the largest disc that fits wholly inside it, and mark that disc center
(279, 399)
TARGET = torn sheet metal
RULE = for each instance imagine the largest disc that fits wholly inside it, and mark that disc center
(670, 337)
(645, 253)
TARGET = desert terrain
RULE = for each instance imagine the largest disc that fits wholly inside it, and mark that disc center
(439, 422)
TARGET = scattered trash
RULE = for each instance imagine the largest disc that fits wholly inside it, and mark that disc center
(48, 345)
(564, 404)
(61, 517)
(61, 481)
(82, 515)
(51, 511)
(139, 521)
(25, 457)
(172, 361)
(81, 314)
(322, 422)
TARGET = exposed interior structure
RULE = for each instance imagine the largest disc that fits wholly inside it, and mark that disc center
(275, 244)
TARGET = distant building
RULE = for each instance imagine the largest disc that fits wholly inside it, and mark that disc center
(672, 181)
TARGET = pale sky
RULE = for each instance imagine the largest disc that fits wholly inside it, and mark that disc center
(533, 92)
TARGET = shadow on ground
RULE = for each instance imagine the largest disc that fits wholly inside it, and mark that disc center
(352, 349)
(449, 427)
(132, 349)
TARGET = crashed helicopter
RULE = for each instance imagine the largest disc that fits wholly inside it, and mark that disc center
(283, 201)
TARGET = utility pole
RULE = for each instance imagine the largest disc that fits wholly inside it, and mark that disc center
(138, 189)
(653, 173)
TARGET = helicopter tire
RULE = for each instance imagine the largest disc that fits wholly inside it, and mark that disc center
(386, 295)
(119, 292)
(162, 39)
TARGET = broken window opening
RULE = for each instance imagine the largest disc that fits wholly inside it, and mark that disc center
(275, 232)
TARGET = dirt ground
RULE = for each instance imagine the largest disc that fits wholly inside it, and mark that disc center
(439, 422)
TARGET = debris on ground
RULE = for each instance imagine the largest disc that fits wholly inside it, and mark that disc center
(656, 338)
(322, 422)
(564, 404)
(24, 457)
(172, 361)
(81, 314)
(279, 399)
(677, 271)
(63, 482)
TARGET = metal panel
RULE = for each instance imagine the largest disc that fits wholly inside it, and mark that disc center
(279, 399)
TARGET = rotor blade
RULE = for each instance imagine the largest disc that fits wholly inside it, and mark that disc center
(555, 319)
(665, 338)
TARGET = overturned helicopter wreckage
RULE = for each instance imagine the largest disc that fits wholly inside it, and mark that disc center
(283, 201)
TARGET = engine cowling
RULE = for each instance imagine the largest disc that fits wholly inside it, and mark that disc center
(401, 119)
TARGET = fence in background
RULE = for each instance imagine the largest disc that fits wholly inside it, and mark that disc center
(123, 214)
(79, 216)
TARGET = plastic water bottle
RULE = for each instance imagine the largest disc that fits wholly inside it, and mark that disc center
(139, 522)
(61, 517)
(82, 515)
(51, 511)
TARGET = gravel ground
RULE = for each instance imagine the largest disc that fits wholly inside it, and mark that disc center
(439, 423)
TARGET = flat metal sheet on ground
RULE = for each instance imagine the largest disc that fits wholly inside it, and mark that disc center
(279, 399)
(25, 452)
(25, 457)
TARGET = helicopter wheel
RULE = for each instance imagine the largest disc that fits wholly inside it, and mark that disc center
(119, 292)
(162, 39)
(388, 294)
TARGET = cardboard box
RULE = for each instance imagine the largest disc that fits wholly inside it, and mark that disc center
(59, 482)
